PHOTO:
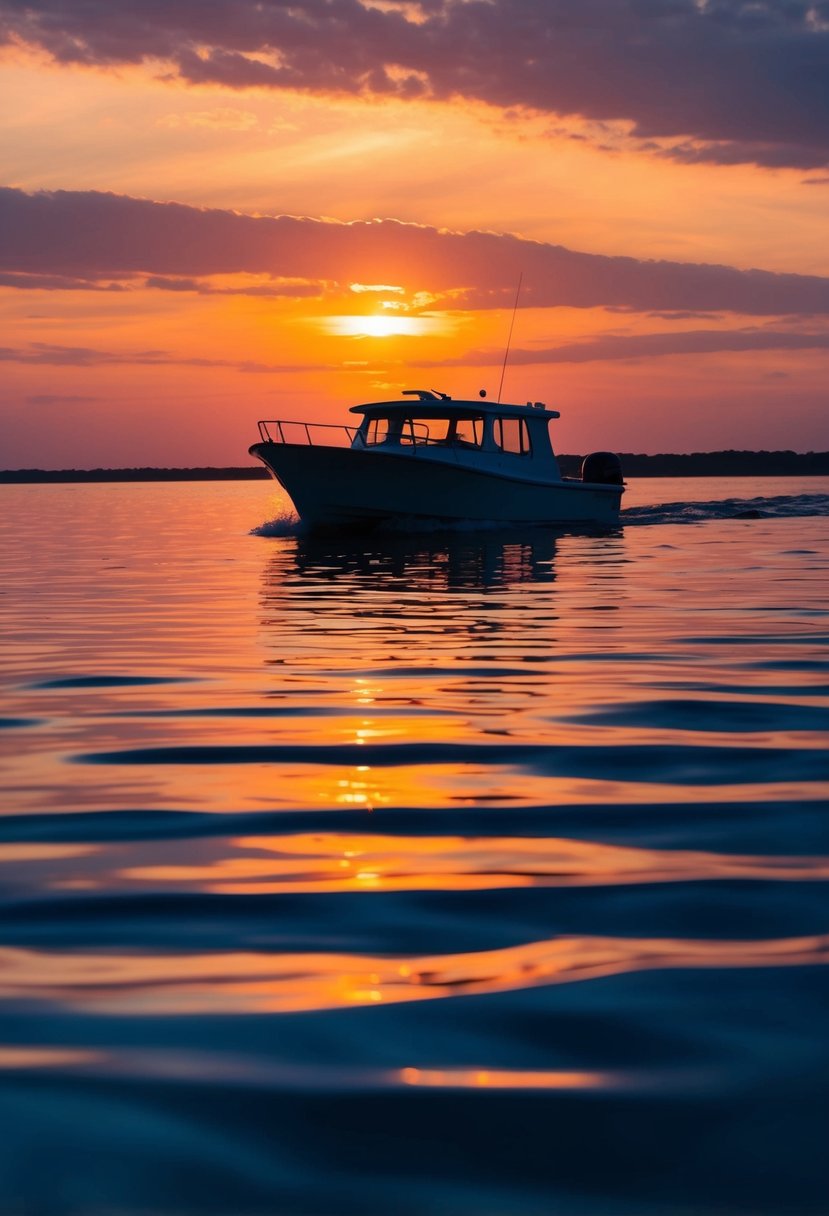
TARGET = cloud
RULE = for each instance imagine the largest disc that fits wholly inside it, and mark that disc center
(55, 282)
(59, 399)
(268, 290)
(647, 346)
(377, 288)
(61, 282)
(47, 354)
(717, 72)
(92, 236)
(677, 315)
(738, 152)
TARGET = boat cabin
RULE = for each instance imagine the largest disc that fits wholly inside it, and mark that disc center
(509, 437)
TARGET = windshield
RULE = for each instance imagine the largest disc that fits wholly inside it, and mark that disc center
(414, 429)
(453, 432)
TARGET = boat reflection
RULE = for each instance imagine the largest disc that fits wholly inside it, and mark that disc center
(445, 561)
(420, 657)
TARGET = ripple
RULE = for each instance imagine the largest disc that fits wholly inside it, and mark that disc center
(251, 982)
(103, 681)
(801, 664)
(206, 1068)
(709, 716)
(642, 762)
(305, 862)
(757, 639)
(713, 688)
(769, 827)
(279, 711)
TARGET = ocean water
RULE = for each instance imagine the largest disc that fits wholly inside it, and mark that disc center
(479, 873)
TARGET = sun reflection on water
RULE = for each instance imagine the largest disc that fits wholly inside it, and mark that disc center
(503, 1078)
(330, 861)
(251, 982)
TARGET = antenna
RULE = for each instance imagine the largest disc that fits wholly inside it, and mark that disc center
(509, 338)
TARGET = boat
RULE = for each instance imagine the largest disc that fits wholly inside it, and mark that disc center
(430, 460)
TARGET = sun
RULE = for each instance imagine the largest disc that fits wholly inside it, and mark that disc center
(383, 325)
(387, 326)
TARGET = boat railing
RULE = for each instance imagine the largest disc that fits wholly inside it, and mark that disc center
(414, 436)
(282, 430)
(415, 433)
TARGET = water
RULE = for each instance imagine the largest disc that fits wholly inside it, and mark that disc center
(473, 874)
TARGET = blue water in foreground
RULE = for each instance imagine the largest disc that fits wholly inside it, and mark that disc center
(479, 873)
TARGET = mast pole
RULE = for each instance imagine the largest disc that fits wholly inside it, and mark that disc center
(509, 337)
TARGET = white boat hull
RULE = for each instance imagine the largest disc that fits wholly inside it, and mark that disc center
(348, 488)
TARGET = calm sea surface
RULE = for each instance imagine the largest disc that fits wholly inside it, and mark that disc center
(480, 874)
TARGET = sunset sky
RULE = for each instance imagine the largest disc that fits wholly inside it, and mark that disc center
(215, 211)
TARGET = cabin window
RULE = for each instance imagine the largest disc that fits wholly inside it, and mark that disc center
(511, 435)
(444, 432)
(468, 432)
(377, 431)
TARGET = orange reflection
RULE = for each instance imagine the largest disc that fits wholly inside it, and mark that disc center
(503, 1078)
(306, 862)
(44, 1057)
(44, 852)
(282, 983)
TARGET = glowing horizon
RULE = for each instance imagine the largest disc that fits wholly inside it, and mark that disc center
(244, 238)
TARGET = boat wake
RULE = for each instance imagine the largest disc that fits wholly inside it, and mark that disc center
(282, 525)
(781, 506)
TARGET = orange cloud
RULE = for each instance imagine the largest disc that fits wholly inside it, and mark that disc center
(737, 82)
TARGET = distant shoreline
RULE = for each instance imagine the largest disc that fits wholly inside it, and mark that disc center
(694, 464)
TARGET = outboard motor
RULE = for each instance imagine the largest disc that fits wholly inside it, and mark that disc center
(603, 468)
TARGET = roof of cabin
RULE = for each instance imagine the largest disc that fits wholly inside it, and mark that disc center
(425, 404)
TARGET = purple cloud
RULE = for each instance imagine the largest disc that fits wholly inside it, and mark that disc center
(59, 399)
(723, 72)
(55, 282)
(92, 236)
(47, 354)
(268, 290)
(647, 346)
